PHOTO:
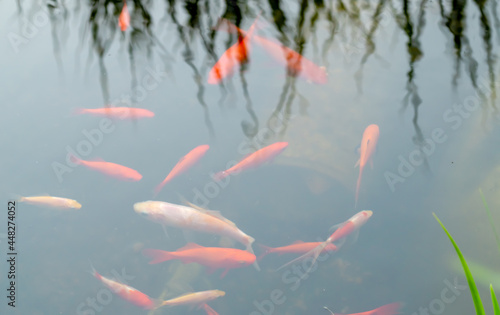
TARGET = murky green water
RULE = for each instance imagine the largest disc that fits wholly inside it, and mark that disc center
(425, 73)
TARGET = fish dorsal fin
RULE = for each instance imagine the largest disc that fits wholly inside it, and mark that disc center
(218, 215)
(213, 213)
(190, 246)
(298, 242)
(97, 159)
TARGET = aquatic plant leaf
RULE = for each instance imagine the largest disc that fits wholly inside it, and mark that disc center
(496, 308)
(472, 286)
(490, 218)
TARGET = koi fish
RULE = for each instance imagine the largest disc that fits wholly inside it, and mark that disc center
(343, 230)
(202, 220)
(297, 247)
(52, 202)
(296, 64)
(389, 309)
(255, 159)
(117, 112)
(212, 257)
(195, 298)
(111, 169)
(367, 148)
(184, 164)
(209, 310)
(124, 18)
(128, 293)
(235, 55)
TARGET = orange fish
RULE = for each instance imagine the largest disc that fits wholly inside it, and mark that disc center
(255, 159)
(389, 309)
(367, 148)
(52, 202)
(296, 64)
(184, 164)
(209, 310)
(111, 169)
(297, 247)
(117, 112)
(343, 230)
(235, 55)
(196, 298)
(128, 293)
(212, 257)
(124, 19)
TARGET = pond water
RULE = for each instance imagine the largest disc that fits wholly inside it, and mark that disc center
(424, 72)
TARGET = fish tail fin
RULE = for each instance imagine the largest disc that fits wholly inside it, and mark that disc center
(157, 255)
(250, 250)
(79, 111)
(220, 175)
(75, 159)
(17, 197)
(209, 310)
(314, 253)
(358, 184)
(93, 272)
(266, 250)
(159, 188)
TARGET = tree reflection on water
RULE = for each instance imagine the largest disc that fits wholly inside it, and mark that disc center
(360, 19)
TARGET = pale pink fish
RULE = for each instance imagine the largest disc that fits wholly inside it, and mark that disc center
(367, 149)
(197, 299)
(255, 159)
(52, 202)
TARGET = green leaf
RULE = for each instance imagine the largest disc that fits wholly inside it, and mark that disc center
(472, 286)
(496, 308)
(490, 218)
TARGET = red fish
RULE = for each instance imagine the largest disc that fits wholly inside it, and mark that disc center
(255, 159)
(212, 257)
(111, 169)
(128, 293)
(367, 148)
(297, 247)
(184, 164)
(117, 112)
(124, 19)
(209, 310)
(343, 230)
(235, 55)
(296, 64)
(389, 309)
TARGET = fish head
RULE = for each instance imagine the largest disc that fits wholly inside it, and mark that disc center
(245, 259)
(133, 176)
(219, 293)
(75, 204)
(147, 209)
(361, 217)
